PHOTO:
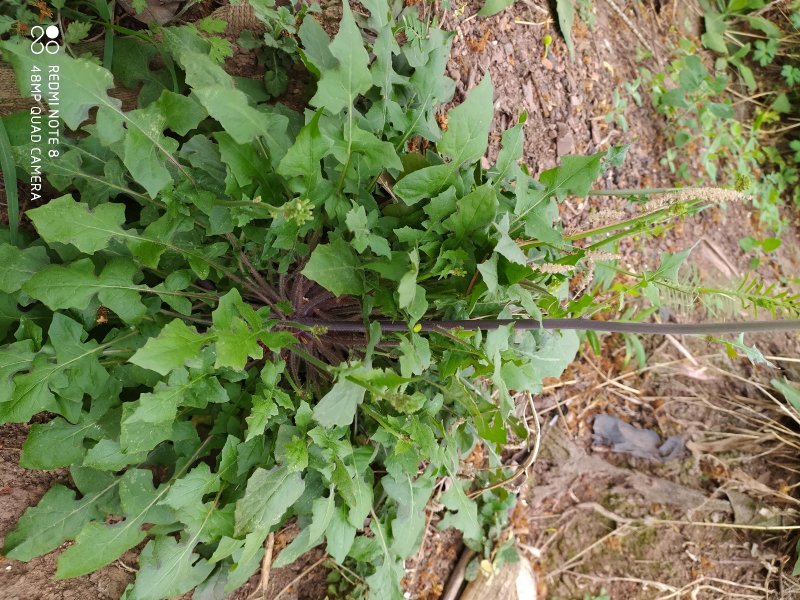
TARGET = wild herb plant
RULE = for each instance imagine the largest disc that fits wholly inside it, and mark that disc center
(198, 314)
(738, 115)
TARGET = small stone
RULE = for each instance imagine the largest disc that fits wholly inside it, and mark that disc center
(565, 143)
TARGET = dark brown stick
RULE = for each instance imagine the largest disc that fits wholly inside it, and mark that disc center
(578, 324)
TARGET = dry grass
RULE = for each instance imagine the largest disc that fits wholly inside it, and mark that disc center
(744, 441)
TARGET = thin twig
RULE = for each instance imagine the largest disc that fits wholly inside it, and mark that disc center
(305, 572)
(266, 564)
(528, 461)
(456, 579)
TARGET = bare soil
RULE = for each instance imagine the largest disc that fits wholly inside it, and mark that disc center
(581, 518)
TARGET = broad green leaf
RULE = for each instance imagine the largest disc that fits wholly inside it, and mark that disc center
(430, 76)
(57, 443)
(385, 581)
(107, 455)
(168, 569)
(175, 345)
(574, 176)
(296, 453)
(338, 406)
(354, 489)
(56, 518)
(566, 17)
(74, 285)
(506, 246)
(714, 37)
(304, 156)
(362, 226)
(511, 142)
(243, 122)
(492, 7)
(244, 163)
(476, 211)
(268, 496)
(322, 510)
(148, 421)
(68, 222)
(374, 155)
(14, 358)
(555, 354)
(84, 84)
(410, 499)
(467, 135)
(488, 271)
(186, 494)
(17, 266)
(145, 129)
(97, 545)
(217, 92)
(789, 391)
(671, 263)
(463, 513)
(10, 314)
(538, 210)
(385, 49)
(416, 355)
(424, 183)
(380, 13)
(264, 408)
(58, 387)
(763, 24)
(316, 45)
(340, 535)
(245, 562)
(237, 329)
(95, 175)
(181, 113)
(337, 88)
(334, 267)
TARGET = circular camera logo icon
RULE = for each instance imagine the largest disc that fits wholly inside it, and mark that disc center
(44, 39)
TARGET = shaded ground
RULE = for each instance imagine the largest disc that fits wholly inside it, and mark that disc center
(580, 519)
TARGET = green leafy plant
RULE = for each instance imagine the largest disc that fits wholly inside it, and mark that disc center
(617, 113)
(586, 13)
(164, 312)
(733, 149)
(735, 132)
(565, 11)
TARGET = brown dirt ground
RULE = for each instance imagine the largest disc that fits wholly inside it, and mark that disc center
(573, 511)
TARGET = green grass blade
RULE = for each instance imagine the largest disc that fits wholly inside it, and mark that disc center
(9, 172)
